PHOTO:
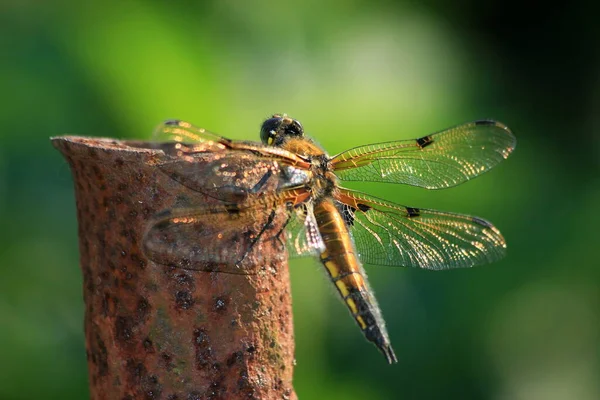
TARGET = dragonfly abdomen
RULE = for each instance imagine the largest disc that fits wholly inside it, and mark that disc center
(347, 273)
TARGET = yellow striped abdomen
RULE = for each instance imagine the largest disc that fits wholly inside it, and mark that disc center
(348, 275)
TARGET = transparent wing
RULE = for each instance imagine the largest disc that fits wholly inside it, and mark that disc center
(436, 161)
(195, 139)
(389, 234)
(233, 176)
(301, 233)
(219, 238)
(191, 140)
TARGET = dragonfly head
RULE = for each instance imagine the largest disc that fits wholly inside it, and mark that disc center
(279, 128)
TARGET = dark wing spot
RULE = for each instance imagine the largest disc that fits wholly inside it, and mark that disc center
(424, 141)
(488, 122)
(175, 122)
(413, 212)
(363, 207)
(482, 222)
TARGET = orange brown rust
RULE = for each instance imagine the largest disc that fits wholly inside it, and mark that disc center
(156, 332)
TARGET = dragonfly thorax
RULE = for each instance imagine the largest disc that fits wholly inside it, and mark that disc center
(324, 180)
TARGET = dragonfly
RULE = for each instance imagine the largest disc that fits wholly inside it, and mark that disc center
(287, 188)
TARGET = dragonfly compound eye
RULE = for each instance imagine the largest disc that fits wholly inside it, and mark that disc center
(294, 128)
(270, 129)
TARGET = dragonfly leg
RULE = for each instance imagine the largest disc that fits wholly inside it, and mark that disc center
(257, 238)
(236, 194)
(262, 182)
(287, 221)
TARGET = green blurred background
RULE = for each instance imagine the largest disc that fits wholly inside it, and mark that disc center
(353, 72)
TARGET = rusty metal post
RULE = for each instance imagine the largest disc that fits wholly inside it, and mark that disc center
(157, 332)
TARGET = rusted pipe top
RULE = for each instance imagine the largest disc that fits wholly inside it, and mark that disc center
(155, 331)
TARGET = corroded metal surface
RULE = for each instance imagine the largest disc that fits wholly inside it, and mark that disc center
(157, 332)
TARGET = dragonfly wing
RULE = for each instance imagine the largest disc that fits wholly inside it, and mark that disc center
(436, 161)
(389, 234)
(190, 139)
(219, 238)
(301, 233)
(234, 176)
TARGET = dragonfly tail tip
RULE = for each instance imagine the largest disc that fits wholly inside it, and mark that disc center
(389, 354)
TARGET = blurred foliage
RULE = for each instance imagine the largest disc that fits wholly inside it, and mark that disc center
(353, 72)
